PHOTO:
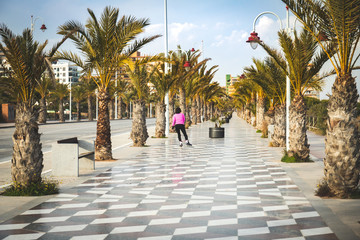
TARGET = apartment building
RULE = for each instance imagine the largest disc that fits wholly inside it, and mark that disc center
(230, 81)
(65, 72)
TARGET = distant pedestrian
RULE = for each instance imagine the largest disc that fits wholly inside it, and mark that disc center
(179, 124)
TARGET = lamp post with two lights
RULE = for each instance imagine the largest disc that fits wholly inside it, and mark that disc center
(254, 40)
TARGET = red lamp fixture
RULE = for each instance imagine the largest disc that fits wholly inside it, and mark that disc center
(187, 66)
(253, 40)
(322, 37)
(43, 28)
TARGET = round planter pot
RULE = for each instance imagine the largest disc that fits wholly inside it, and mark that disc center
(216, 132)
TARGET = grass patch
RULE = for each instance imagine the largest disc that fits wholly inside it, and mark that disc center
(258, 131)
(293, 159)
(45, 187)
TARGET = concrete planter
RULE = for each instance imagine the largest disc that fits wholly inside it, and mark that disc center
(216, 132)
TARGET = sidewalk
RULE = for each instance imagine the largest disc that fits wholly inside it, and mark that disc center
(231, 188)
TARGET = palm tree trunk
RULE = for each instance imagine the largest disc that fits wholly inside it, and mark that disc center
(120, 108)
(261, 112)
(111, 109)
(194, 111)
(78, 111)
(127, 110)
(199, 111)
(160, 120)
(182, 100)
(139, 133)
(205, 112)
(342, 155)
(278, 138)
(89, 102)
(27, 159)
(103, 134)
(187, 116)
(298, 142)
(42, 113)
(171, 113)
(61, 110)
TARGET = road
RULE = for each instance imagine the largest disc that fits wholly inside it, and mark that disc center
(55, 131)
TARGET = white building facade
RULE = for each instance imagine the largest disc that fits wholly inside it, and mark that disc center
(65, 72)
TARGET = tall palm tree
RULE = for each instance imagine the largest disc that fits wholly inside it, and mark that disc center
(61, 91)
(106, 43)
(28, 61)
(301, 62)
(43, 89)
(339, 21)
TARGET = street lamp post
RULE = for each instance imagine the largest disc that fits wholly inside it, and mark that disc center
(70, 102)
(254, 40)
(97, 103)
(33, 20)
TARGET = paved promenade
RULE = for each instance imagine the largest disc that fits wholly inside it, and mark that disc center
(231, 188)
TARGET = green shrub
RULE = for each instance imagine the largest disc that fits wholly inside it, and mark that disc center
(45, 187)
(293, 159)
(323, 190)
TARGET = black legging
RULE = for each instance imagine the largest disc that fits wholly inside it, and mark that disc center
(181, 127)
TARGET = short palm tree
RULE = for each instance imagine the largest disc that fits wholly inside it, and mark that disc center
(301, 62)
(88, 86)
(61, 91)
(28, 61)
(106, 43)
(78, 94)
(339, 21)
(43, 89)
(121, 88)
(140, 76)
(268, 75)
(162, 83)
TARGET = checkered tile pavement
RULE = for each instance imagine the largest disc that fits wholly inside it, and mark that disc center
(224, 189)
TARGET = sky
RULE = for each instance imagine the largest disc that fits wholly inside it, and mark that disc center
(223, 26)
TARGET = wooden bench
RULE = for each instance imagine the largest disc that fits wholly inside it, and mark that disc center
(70, 155)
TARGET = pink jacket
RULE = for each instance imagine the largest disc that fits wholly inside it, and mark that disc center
(178, 118)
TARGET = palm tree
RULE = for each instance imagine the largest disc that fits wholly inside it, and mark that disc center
(28, 62)
(339, 21)
(121, 89)
(78, 94)
(43, 88)
(162, 83)
(271, 79)
(140, 78)
(106, 43)
(61, 91)
(302, 65)
(88, 86)
(178, 60)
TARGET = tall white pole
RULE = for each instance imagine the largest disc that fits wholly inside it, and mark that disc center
(97, 104)
(287, 91)
(70, 102)
(167, 122)
(116, 97)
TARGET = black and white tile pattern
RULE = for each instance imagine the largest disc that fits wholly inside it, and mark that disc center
(224, 189)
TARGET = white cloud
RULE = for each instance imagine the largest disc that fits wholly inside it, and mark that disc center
(235, 37)
(178, 30)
